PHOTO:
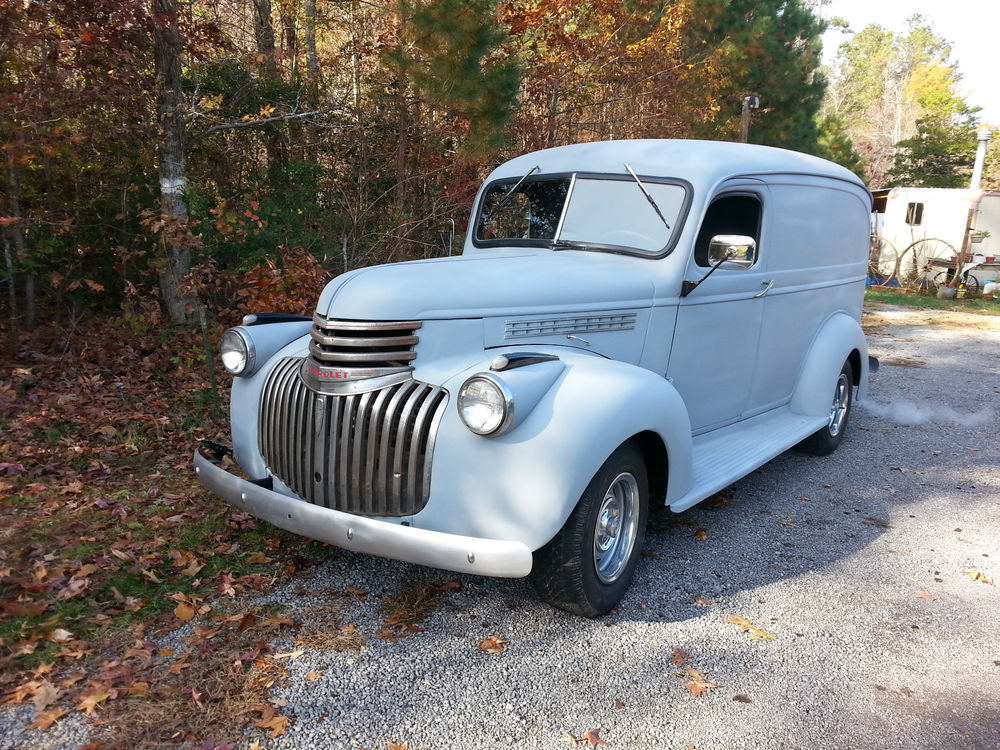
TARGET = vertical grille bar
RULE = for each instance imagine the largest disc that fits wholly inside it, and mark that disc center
(418, 459)
(376, 422)
(371, 452)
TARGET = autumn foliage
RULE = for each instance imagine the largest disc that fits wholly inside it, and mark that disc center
(352, 133)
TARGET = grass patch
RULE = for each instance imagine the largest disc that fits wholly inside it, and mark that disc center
(928, 302)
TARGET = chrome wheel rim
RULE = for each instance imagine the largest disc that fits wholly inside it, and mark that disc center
(841, 400)
(617, 524)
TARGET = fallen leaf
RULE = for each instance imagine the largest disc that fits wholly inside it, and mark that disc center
(701, 601)
(138, 689)
(184, 611)
(398, 745)
(650, 553)
(593, 737)
(927, 595)
(698, 685)
(313, 676)
(976, 575)
(740, 698)
(701, 535)
(91, 702)
(493, 645)
(680, 658)
(45, 720)
(355, 592)
(277, 725)
(743, 623)
(757, 633)
(290, 654)
(45, 696)
(60, 635)
(567, 738)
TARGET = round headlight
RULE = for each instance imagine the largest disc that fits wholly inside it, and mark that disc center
(237, 352)
(484, 405)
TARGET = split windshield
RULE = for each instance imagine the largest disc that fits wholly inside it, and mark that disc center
(605, 212)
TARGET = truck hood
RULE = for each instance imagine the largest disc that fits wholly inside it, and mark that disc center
(482, 286)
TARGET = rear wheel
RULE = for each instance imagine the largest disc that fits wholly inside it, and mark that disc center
(826, 439)
(589, 564)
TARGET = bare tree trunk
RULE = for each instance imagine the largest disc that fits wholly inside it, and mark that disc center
(312, 59)
(403, 123)
(12, 298)
(20, 247)
(291, 37)
(263, 29)
(168, 47)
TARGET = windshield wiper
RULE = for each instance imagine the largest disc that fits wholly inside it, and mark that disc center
(648, 196)
(570, 245)
(503, 201)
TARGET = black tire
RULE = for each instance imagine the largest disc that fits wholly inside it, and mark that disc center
(825, 440)
(588, 566)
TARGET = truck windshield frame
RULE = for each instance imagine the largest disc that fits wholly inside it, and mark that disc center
(542, 213)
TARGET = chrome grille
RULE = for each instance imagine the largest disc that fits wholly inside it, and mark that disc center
(365, 453)
(351, 350)
(565, 325)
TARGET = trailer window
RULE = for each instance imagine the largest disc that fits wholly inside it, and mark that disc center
(914, 214)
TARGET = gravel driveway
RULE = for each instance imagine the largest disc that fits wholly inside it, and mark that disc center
(860, 565)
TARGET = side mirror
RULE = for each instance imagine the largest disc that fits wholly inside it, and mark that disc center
(732, 251)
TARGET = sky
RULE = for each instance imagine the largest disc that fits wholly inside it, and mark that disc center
(970, 25)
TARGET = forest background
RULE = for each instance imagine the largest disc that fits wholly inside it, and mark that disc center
(165, 159)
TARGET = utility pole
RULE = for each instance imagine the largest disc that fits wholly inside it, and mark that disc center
(749, 102)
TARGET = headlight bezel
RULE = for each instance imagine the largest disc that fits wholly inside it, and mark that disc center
(249, 351)
(505, 397)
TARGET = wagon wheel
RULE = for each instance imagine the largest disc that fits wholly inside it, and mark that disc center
(883, 261)
(915, 271)
(969, 282)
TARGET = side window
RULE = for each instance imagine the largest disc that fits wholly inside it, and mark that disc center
(730, 214)
(914, 214)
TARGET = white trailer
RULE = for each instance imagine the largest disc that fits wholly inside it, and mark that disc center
(919, 235)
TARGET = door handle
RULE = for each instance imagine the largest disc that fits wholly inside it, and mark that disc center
(767, 287)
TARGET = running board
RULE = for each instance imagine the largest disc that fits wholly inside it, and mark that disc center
(730, 453)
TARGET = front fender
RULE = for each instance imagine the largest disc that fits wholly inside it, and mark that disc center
(524, 484)
(837, 339)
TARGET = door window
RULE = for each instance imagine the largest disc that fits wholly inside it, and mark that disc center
(728, 215)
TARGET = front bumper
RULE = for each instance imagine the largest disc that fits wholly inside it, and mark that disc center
(463, 554)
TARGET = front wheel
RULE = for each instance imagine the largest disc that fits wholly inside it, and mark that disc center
(589, 564)
(826, 439)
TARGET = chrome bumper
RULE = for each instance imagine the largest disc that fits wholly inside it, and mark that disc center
(463, 554)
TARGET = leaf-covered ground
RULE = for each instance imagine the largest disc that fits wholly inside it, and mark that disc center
(108, 545)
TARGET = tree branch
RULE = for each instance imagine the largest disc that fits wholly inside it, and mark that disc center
(254, 123)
